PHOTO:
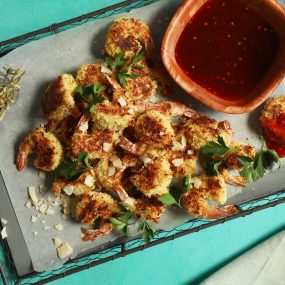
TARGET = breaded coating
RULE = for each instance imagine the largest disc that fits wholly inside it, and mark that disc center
(273, 108)
(111, 116)
(129, 36)
(99, 144)
(150, 208)
(195, 201)
(58, 101)
(200, 130)
(154, 178)
(45, 146)
(96, 205)
(182, 164)
(153, 126)
(78, 186)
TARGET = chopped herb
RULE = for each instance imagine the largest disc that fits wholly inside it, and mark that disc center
(91, 94)
(121, 68)
(256, 169)
(214, 154)
(72, 170)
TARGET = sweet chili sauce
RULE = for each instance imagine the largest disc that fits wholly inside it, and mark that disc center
(274, 130)
(227, 48)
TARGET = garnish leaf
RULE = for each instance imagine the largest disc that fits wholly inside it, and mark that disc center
(137, 58)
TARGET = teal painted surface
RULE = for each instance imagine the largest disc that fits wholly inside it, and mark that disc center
(186, 260)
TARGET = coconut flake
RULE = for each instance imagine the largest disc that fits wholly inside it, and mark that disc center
(122, 102)
(4, 233)
(197, 182)
(33, 194)
(33, 219)
(116, 161)
(42, 188)
(68, 189)
(146, 159)
(89, 181)
(43, 208)
(4, 221)
(111, 170)
(64, 251)
(49, 211)
(190, 151)
(177, 162)
(84, 127)
(107, 146)
(57, 242)
(58, 227)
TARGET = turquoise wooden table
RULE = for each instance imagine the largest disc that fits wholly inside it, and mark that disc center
(187, 260)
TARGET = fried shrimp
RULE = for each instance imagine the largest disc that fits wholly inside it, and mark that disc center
(98, 144)
(129, 36)
(77, 187)
(94, 205)
(204, 189)
(200, 130)
(58, 101)
(154, 178)
(45, 146)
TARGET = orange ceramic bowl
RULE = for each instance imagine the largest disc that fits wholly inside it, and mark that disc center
(270, 11)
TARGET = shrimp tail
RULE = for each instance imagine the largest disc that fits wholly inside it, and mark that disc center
(212, 212)
(24, 152)
(92, 234)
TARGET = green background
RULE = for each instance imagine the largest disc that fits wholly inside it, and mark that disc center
(187, 260)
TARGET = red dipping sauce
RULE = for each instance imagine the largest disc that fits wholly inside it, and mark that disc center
(227, 48)
(274, 130)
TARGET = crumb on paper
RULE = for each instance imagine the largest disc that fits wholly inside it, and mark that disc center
(43, 221)
(35, 233)
(49, 211)
(46, 228)
(64, 251)
(33, 194)
(43, 208)
(42, 188)
(58, 227)
(4, 221)
(57, 242)
(4, 233)
(33, 219)
(42, 175)
(29, 204)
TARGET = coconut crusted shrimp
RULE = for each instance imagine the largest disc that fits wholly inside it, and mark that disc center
(98, 144)
(78, 187)
(45, 146)
(204, 189)
(129, 36)
(231, 162)
(58, 102)
(200, 130)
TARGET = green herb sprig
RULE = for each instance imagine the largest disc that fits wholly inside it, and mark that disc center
(256, 169)
(214, 154)
(91, 94)
(72, 170)
(173, 197)
(120, 67)
(128, 218)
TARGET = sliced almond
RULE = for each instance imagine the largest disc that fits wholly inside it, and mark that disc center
(89, 181)
(177, 146)
(84, 127)
(116, 161)
(177, 162)
(4, 221)
(58, 227)
(122, 102)
(28, 204)
(43, 208)
(64, 251)
(33, 219)
(190, 151)
(57, 242)
(197, 182)
(33, 195)
(107, 146)
(146, 159)
(4, 233)
(42, 175)
(68, 189)
(111, 170)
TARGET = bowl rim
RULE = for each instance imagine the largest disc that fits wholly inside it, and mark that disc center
(261, 92)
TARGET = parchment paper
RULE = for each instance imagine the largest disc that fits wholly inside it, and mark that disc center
(44, 60)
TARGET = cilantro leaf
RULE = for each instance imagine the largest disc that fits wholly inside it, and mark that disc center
(167, 199)
(137, 58)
